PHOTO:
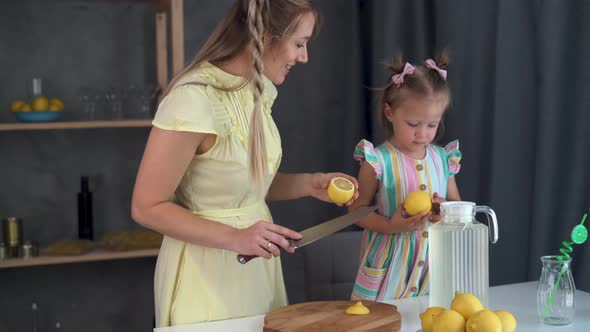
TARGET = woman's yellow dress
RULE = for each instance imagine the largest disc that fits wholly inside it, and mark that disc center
(194, 283)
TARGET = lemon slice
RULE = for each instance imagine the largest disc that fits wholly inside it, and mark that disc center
(340, 190)
(357, 309)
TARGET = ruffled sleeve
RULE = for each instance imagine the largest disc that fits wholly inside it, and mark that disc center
(186, 108)
(453, 157)
(365, 151)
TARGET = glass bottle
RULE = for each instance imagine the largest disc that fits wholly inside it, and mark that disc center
(555, 292)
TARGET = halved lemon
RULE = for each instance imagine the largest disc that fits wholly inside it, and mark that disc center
(340, 190)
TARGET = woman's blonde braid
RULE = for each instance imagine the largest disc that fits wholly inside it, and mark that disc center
(256, 141)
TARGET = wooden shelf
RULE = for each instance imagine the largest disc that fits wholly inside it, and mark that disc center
(98, 255)
(75, 125)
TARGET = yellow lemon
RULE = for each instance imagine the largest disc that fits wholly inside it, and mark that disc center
(16, 105)
(416, 202)
(357, 309)
(484, 321)
(507, 319)
(448, 321)
(55, 104)
(427, 317)
(25, 108)
(40, 103)
(55, 108)
(466, 304)
(340, 190)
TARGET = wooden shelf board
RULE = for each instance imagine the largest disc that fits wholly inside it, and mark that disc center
(75, 125)
(97, 255)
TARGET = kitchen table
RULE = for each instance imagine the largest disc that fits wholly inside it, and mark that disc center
(520, 299)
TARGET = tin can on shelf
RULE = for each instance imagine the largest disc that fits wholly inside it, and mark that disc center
(29, 249)
(3, 251)
(12, 230)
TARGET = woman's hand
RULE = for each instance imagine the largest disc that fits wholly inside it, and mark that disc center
(400, 224)
(436, 200)
(264, 239)
(318, 186)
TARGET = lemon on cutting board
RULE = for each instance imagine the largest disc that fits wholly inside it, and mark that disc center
(466, 304)
(416, 202)
(340, 190)
(427, 317)
(448, 321)
(357, 309)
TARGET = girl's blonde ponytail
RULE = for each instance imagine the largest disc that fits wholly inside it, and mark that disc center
(257, 161)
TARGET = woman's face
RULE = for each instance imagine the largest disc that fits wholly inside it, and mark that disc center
(281, 56)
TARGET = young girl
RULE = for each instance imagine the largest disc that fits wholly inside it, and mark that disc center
(394, 251)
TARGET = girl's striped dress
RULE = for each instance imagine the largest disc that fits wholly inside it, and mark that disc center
(396, 266)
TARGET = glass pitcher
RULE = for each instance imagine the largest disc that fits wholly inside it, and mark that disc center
(556, 291)
(458, 253)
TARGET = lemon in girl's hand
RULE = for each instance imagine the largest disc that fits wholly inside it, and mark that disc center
(427, 317)
(507, 319)
(340, 190)
(448, 321)
(484, 321)
(416, 202)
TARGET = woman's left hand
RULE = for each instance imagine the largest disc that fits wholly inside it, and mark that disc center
(318, 186)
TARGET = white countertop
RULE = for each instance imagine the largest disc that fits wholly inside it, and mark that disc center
(519, 299)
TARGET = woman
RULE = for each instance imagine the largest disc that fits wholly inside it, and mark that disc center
(215, 150)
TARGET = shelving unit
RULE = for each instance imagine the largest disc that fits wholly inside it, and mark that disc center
(97, 255)
(75, 125)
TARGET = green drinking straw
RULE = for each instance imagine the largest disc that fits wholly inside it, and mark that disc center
(579, 235)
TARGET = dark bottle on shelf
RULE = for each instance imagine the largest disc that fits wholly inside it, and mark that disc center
(85, 211)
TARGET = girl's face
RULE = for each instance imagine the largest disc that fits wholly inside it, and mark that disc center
(279, 58)
(415, 122)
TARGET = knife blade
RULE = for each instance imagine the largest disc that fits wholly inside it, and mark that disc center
(322, 230)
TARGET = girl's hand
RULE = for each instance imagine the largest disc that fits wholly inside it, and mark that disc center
(318, 186)
(264, 239)
(436, 200)
(401, 224)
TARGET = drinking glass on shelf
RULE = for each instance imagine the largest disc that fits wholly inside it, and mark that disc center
(89, 98)
(115, 98)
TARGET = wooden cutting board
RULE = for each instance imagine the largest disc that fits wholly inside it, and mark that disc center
(331, 316)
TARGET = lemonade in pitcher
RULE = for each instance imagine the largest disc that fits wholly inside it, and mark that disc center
(458, 253)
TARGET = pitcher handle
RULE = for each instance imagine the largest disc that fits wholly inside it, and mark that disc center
(490, 214)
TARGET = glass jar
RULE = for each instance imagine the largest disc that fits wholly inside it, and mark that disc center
(555, 292)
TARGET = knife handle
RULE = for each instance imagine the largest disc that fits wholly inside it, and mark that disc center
(243, 259)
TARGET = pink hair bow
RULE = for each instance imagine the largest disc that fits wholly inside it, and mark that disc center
(398, 79)
(432, 65)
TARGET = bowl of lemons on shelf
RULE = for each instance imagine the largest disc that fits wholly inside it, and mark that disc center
(40, 109)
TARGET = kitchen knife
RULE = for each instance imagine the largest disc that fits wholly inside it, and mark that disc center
(322, 230)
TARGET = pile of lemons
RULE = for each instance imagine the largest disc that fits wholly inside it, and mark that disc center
(38, 104)
(466, 314)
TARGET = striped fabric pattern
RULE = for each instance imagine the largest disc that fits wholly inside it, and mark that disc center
(396, 266)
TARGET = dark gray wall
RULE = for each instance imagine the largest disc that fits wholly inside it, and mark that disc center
(74, 44)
